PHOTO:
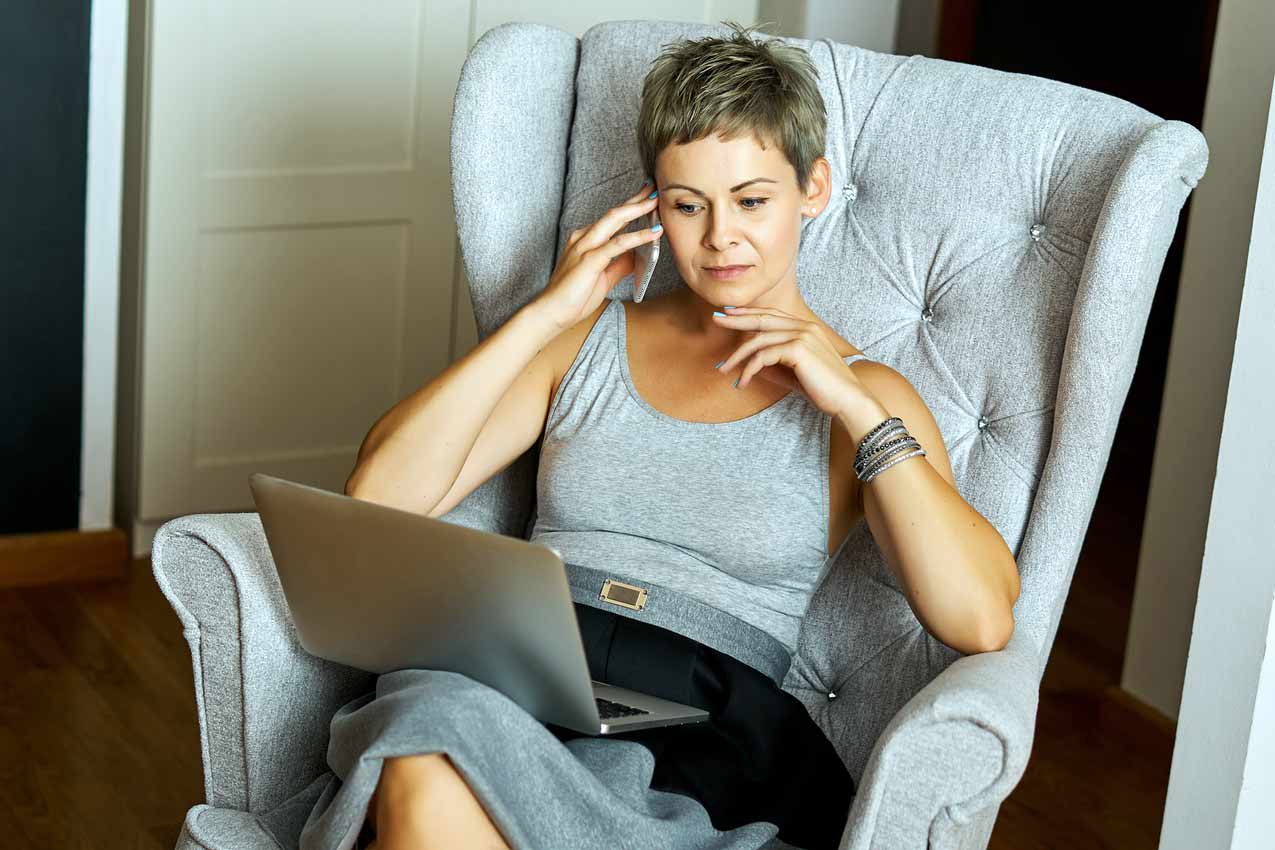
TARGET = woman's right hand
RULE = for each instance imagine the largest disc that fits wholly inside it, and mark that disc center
(594, 260)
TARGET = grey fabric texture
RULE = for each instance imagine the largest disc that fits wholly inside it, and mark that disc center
(260, 744)
(209, 828)
(1029, 216)
(619, 486)
(672, 609)
(589, 792)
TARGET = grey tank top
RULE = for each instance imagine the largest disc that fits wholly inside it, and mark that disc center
(733, 513)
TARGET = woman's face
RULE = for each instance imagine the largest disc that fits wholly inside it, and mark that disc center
(728, 203)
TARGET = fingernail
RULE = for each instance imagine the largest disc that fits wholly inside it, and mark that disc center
(715, 313)
(658, 227)
(653, 194)
(719, 364)
(736, 384)
(644, 182)
(728, 307)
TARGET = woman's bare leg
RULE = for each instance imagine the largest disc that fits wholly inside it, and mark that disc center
(422, 802)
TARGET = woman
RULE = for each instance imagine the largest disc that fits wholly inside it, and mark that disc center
(718, 452)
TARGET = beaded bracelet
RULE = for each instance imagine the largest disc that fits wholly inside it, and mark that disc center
(877, 471)
(907, 440)
(878, 462)
(884, 446)
(875, 433)
(874, 439)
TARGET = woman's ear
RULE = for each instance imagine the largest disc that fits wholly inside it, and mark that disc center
(818, 188)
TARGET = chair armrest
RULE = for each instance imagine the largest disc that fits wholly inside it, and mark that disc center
(264, 703)
(950, 756)
(209, 828)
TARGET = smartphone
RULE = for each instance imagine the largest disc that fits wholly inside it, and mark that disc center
(645, 257)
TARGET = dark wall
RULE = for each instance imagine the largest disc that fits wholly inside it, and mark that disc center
(43, 156)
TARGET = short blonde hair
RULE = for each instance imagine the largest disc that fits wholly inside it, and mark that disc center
(730, 85)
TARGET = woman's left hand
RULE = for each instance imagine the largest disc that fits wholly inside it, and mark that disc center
(793, 352)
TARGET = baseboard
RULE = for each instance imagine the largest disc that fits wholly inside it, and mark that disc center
(144, 535)
(1154, 718)
(57, 557)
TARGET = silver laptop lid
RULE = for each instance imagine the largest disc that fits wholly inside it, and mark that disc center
(383, 589)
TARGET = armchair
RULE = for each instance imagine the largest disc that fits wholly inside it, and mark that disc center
(995, 237)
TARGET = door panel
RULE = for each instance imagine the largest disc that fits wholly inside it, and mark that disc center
(299, 237)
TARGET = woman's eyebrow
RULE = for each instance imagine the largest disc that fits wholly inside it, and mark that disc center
(732, 188)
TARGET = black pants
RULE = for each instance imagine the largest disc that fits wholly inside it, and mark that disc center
(759, 757)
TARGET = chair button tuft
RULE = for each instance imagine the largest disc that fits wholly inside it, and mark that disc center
(832, 695)
(927, 314)
(982, 423)
(850, 191)
(1037, 231)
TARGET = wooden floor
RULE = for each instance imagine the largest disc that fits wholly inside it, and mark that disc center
(1099, 767)
(99, 747)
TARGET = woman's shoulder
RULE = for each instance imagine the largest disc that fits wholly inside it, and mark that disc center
(565, 347)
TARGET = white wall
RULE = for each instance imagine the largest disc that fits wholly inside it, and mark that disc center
(107, 54)
(864, 23)
(1217, 244)
(1222, 782)
(1255, 817)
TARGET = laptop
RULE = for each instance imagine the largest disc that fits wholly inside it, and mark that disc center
(383, 589)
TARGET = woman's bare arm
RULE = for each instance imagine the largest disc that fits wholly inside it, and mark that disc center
(414, 453)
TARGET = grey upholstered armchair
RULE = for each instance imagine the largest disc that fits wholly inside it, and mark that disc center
(995, 237)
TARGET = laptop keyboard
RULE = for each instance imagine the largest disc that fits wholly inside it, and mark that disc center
(608, 709)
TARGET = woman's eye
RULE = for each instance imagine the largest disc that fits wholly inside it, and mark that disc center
(689, 209)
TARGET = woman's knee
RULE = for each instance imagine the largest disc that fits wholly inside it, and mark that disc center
(412, 772)
(404, 779)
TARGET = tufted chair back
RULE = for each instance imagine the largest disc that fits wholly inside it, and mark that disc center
(995, 237)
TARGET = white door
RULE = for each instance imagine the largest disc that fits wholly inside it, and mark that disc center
(300, 269)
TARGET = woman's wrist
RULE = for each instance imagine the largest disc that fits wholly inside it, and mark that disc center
(537, 321)
(861, 416)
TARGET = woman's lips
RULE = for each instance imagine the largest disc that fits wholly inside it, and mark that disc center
(726, 272)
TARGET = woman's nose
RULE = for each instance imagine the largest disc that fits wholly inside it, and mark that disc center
(721, 233)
